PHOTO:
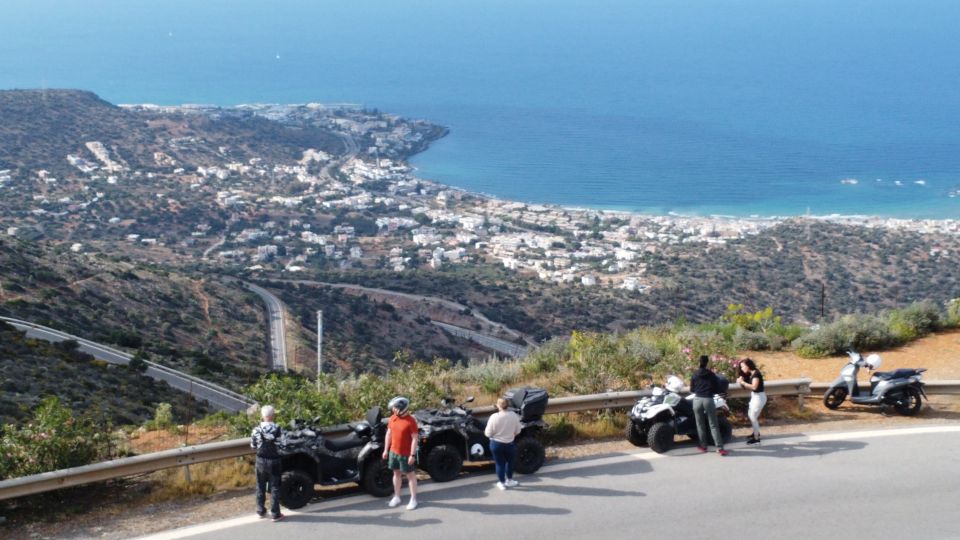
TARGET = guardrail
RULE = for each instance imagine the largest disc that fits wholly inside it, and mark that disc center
(217, 395)
(118, 468)
(946, 387)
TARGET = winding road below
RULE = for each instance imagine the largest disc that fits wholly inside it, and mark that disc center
(218, 396)
(449, 304)
(276, 326)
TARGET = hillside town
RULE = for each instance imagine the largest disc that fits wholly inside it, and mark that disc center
(363, 208)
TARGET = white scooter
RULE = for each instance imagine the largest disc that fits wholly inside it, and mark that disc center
(901, 388)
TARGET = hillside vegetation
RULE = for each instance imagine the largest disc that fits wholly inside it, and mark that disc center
(208, 327)
(588, 362)
(33, 370)
(41, 127)
(857, 270)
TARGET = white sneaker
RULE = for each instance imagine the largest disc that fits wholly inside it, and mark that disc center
(394, 502)
(512, 483)
(500, 486)
(412, 505)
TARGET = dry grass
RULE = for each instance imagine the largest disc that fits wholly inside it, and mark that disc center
(205, 478)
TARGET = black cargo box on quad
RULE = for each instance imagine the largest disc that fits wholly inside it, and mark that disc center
(529, 402)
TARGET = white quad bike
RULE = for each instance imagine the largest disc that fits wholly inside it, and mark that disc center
(656, 419)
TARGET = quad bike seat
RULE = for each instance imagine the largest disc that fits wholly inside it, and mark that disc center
(342, 443)
(902, 373)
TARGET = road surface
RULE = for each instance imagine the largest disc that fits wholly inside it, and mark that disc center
(881, 484)
(218, 396)
(500, 345)
(278, 341)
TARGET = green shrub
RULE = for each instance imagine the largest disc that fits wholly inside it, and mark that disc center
(491, 374)
(746, 340)
(953, 313)
(916, 320)
(858, 332)
(53, 439)
(544, 359)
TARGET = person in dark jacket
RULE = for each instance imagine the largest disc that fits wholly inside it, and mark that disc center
(704, 385)
(264, 439)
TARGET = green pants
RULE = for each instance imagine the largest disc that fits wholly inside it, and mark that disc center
(705, 412)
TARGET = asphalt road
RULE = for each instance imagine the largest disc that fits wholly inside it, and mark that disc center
(496, 344)
(278, 343)
(885, 484)
(214, 394)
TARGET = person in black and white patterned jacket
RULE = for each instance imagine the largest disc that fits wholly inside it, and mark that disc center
(264, 439)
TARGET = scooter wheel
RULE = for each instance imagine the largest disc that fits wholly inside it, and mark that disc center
(834, 397)
(909, 403)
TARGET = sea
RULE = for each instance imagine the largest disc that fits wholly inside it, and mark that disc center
(692, 107)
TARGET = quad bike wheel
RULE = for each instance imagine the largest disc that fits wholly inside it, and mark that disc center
(296, 489)
(444, 463)
(530, 455)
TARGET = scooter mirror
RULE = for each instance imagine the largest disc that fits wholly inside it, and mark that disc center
(469, 400)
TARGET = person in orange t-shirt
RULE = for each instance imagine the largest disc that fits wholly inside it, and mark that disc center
(400, 449)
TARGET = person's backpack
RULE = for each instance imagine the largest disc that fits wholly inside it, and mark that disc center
(269, 441)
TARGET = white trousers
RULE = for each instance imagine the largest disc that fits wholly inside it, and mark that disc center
(757, 402)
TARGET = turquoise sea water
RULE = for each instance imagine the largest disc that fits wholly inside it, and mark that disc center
(732, 107)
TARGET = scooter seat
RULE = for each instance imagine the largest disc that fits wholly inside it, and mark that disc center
(342, 443)
(903, 373)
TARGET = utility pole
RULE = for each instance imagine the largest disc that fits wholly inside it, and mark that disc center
(319, 345)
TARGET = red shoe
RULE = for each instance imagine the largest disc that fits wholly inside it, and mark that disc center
(702, 449)
(722, 452)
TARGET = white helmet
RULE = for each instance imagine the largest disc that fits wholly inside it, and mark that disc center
(874, 361)
(399, 403)
(674, 384)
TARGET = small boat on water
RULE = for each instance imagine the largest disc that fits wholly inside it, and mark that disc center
(850, 181)
(920, 182)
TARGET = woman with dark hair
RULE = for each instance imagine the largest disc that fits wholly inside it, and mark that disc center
(750, 377)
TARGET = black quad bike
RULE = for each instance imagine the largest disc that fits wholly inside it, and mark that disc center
(656, 419)
(310, 458)
(452, 434)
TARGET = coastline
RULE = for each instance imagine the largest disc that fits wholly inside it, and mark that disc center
(894, 199)
(918, 224)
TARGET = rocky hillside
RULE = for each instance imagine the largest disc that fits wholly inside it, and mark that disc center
(199, 324)
(31, 370)
(41, 127)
